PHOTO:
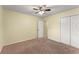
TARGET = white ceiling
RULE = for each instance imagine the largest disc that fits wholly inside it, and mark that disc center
(28, 9)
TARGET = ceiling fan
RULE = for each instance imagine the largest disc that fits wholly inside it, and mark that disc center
(41, 9)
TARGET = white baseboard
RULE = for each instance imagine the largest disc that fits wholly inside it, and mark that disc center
(55, 39)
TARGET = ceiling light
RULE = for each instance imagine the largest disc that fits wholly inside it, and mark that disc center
(41, 12)
(41, 9)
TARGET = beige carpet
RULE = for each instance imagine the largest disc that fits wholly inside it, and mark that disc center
(40, 46)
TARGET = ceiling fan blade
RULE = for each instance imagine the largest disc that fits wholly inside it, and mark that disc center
(47, 9)
(35, 9)
(36, 12)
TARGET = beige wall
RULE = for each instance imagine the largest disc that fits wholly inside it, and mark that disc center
(53, 23)
(18, 27)
(1, 29)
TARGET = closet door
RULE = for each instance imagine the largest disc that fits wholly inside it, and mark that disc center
(75, 31)
(65, 30)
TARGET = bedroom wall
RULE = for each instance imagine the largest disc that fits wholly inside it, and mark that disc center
(1, 29)
(18, 27)
(53, 23)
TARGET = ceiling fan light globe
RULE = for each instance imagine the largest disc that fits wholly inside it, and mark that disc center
(41, 12)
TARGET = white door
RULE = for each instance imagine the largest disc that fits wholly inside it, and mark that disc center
(65, 30)
(75, 31)
(40, 29)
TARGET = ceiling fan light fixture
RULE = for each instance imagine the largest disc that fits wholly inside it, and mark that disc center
(41, 12)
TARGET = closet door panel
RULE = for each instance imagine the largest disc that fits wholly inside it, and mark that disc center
(75, 31)
(65, 30)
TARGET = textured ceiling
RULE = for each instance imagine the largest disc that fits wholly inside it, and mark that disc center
(28, 9)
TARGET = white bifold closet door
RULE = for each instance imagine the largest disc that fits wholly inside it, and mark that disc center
(70, 30)
(65, 30)
(75, 31)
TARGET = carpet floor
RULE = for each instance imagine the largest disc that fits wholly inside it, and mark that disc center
(39, 46)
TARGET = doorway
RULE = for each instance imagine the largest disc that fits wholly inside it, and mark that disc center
(40, 29)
